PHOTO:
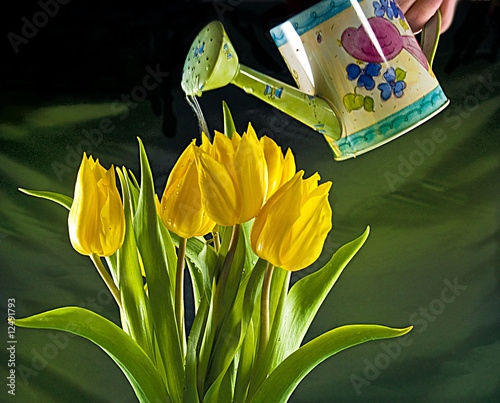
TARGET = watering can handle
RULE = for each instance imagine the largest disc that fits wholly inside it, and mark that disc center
(430, 37)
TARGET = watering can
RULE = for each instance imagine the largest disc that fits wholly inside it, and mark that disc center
(362, 78)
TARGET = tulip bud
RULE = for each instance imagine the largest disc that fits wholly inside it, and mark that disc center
(96, 220)
(291, 228)
(180, 209)
(233, 177)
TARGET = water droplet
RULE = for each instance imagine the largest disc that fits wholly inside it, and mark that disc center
(248, 90)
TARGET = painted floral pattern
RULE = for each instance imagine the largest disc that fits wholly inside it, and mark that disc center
(364, 75)
(394, 83)
(366, 71)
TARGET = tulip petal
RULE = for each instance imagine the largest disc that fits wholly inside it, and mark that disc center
(274, 161)
(308, 234)
(311, 183)
(112, 218)
(206, 225)
(96, 220)
(206, 145)
(251, 173)
(271, 227)
(235, 140)
(184, 205)
(98, 170)
(181, 208)
(180, 168)
(289, 167)
(223, 150)
(219, 197)
(82, 218)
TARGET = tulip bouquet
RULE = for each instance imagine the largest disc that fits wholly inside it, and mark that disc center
(238, 217)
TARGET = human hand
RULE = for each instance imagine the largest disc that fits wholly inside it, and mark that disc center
(418, 12)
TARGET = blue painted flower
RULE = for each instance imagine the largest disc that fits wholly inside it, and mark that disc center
(392, 86)
(382, 8)
(396, 10)
(364, 75)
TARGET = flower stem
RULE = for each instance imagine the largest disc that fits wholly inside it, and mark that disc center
(215, 235)
(179, 288)
(228, 261)
(107, 279)
(264, 310)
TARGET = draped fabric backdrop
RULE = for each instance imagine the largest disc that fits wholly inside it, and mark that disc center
(431, 197)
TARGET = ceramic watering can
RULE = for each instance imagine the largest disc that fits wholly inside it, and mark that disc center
(362, 78)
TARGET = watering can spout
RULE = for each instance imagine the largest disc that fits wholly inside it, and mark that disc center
(213, 63)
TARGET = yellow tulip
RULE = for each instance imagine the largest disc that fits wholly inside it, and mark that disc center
(279, 169)
(96, 220)
(291, 228)
(180, 209)
(233, 177)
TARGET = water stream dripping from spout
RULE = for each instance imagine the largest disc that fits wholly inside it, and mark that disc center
(195, 106)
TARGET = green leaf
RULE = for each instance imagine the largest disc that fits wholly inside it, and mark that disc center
(168, 250)
(63, 200)
(127, 354)
(133, 189)
(353, 102)
(159, 285)
(301, 305)
(235, 273)
(234, 327)
(400, 74)
(403, 24)
(279, 289)
(250, 257)
(130, 283)
(284, 379)
(369, 104)
(245, 365)
(193, 351)
(226, 290)
(229, 127)
(206, 345)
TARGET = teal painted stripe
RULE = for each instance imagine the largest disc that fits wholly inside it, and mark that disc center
(311, 18)
(393, 124)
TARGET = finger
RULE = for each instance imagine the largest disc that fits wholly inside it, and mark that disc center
(421, 12)
(447, 12)
(405, 5)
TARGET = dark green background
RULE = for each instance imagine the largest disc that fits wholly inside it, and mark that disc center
(438, 224)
